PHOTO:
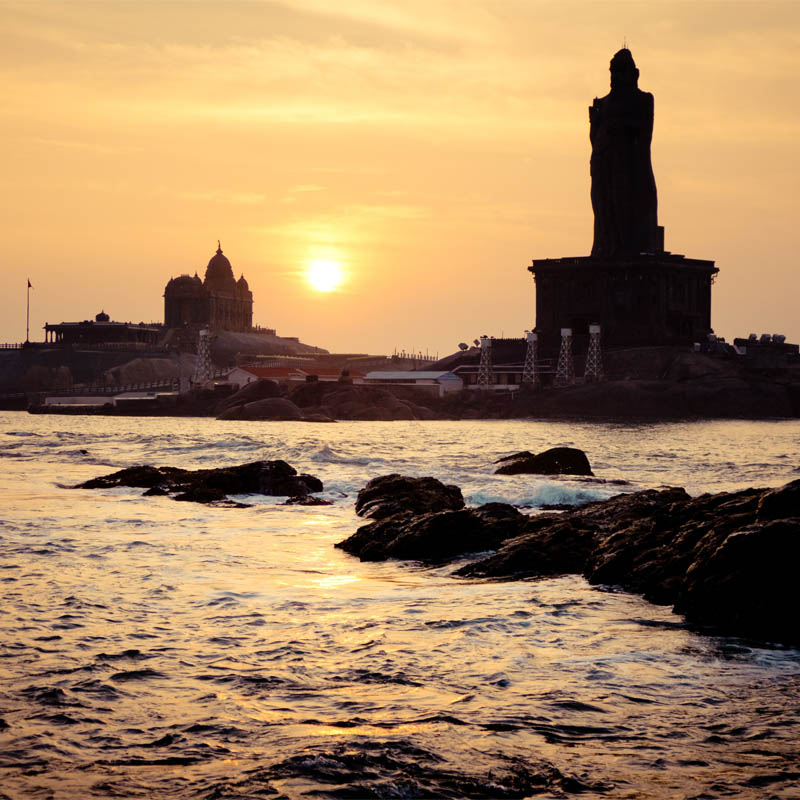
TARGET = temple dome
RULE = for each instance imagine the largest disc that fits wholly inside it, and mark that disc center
(242, 283)
(219, 273)
(184, 285)
(102, 317)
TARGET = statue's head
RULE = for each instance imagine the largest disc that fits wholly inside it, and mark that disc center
(623, 70)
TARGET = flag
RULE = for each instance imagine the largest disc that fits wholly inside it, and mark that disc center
(30, 286)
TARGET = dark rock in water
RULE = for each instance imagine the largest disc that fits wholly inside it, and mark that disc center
(201, 494)
(422, 518)
(212, 485)
(546, 546)
(144, 476)
(308, 500)
(781, 502)
(393, 494)
(435, 536)
(555, 461)
(157, 491)
(727, 560)
(711, 557)
(748, 581)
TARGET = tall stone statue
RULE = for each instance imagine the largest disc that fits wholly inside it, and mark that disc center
(623, 186)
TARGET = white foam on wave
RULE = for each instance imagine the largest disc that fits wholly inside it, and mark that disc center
(537, 494)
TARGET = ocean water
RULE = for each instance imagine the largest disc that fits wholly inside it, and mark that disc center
(151, 648)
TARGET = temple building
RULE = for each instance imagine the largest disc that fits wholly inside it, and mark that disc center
(103, 333)
(639, 293)
(219, 301)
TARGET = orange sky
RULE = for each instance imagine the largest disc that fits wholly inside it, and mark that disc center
(432, 147)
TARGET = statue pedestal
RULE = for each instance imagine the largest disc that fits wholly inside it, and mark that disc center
(651, 299)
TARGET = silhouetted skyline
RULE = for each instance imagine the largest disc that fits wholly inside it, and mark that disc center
(430, 150)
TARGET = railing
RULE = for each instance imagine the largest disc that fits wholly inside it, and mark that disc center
(136, 347)
(12, 345)
(402, 355)
(173, 384)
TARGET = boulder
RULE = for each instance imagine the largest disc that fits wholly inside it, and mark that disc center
(212, 485)
(555, 461)
(359, 411)
(140, 477)
(257, 390)
(392, 494)
(233, 412)
(272, 408)
(422, 412)
(780, 503)
(308, 500)
(143, 370)
(343, 400)
(308, 394)
(437, 536)
(748, 583)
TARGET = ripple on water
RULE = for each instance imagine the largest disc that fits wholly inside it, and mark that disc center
(238, 656)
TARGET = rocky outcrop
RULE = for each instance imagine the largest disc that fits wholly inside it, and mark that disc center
(555, 461)
(257, 390)
(728, 560)
(398, 494)
(271, 408)
(435, 536)
(308, 500)
(145, 370)
(212, 485)
(419, 518)
(347, 401)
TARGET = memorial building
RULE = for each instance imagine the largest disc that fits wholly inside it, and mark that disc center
(638, 292)
(219, 301)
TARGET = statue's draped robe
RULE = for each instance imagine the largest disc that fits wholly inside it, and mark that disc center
(623, 186)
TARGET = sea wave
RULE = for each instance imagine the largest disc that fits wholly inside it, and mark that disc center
(153, 648)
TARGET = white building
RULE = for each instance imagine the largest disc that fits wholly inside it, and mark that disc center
(241, 376)
(444, 381)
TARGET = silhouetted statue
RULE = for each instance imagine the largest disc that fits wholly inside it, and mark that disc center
(623, 186)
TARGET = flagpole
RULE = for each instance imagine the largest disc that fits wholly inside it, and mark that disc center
(28, 315)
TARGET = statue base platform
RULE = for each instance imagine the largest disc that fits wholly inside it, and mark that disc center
(650, 299)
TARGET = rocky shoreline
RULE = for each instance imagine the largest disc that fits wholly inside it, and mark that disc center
(639, 399)
(726, 560)
(643, 383)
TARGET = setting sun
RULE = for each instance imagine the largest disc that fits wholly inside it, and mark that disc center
(323, 274)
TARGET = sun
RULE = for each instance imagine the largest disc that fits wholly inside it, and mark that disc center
(323, 274)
